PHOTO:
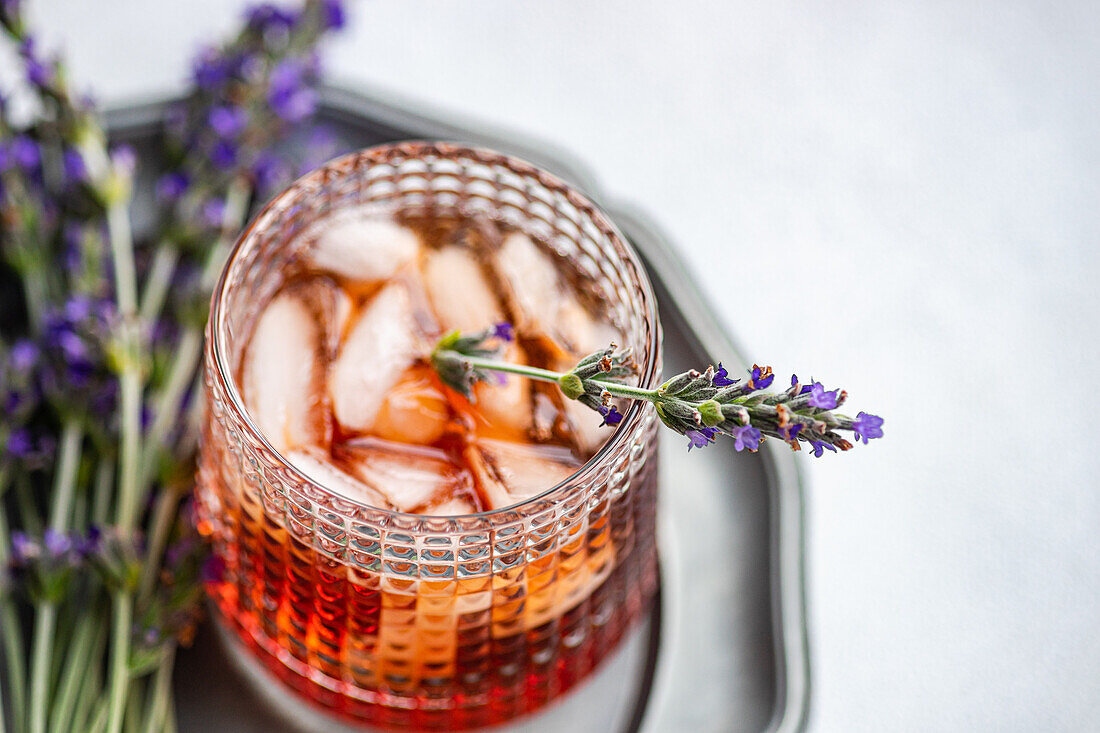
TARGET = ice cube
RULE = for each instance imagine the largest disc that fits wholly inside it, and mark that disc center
(531, 278)
(504, 402)
(413, 411)
(459, 292)
(379, 347)
(587, 426)
(331, 306)
(360, 246)
(580, 332)
(452, 507)
(283, 379)
(409, 477)
(317, 467)
(507, 473)
(543, 302)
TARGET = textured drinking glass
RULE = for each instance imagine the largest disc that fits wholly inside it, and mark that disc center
(403, 620)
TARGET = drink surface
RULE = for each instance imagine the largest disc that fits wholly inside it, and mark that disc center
(336, 374)
(432, 632)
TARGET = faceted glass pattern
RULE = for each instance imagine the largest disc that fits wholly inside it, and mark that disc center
(401, 620)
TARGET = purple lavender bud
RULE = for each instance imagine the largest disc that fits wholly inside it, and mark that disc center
(821, 399)
(38, 73)
(762, 378)
(223, 155)
(269, 170)
(819, 448)
(288, 94)
(334, 15)
(721, 377)
(20, 444)
(78, 308)
(504, 331)
(265, 17)
(790, 432)
(209, 70)
(745, 438)
(700, 438)
(23, 548)
(228, 122)
(867, 427)
(57, 544)
(612, 416)
(23, 355)
(88, 545)
(171, 186)
(24, 151)
(213, 212)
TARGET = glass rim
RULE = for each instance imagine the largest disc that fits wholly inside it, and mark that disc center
(418, 149)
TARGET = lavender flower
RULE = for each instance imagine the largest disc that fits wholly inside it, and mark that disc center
(700, 438)
(24, 152)
(504, 331)
(20, 444)
(289, 95)
(334, 16)
(819, 398)
(38, 73)
(721, 377)
(210, 70)
(267, 17)
(698, 405)
(76, 339)
(867, 427)
(213, 212)
(223, 155)
(227, 121)
(268, 171)
(611, 415)
(73, 164)
(745, 437)
(171, 186)
(762, 377)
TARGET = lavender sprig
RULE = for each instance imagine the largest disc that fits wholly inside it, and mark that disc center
(698, 405)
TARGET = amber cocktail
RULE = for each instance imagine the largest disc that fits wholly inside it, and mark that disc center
(398, 553)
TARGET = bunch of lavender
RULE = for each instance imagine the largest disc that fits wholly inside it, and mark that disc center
(98, 357)
(698, 405)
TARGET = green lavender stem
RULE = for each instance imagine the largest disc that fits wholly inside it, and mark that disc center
(545, 375)
(160, 693)
(158, 281)
(164, 513)
(119, 682)
(76, 668)
(189, 349)
(130, 381)
(9, 628)
(65, 483)
(45, 620)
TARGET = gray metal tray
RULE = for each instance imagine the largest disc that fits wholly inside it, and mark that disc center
(726, 650)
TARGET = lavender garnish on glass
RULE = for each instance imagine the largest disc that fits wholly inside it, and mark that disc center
(698, 405)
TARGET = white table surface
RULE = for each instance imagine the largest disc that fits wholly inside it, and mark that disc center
(901, 199)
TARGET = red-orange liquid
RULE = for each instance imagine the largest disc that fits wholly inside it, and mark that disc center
(396, 633)
(356, 644)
